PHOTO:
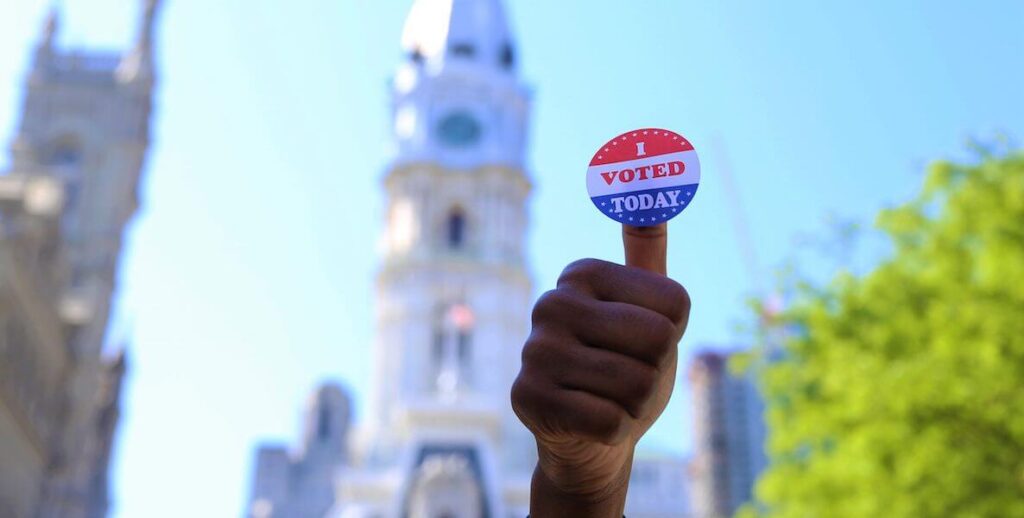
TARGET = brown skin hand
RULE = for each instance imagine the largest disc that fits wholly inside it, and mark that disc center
(598, 370)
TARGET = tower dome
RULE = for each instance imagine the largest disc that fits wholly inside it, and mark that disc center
(440, 32)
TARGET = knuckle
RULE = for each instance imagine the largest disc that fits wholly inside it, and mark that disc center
(525, 395)
(522, 388)
(655, 335)
(536, 352)
(526, 401)
(549, 358)
(582, 271)
(560, 310)
(636, 388)
(517, 395)
(660, 353)
(642, 386)
(530, 353)
(663, 334)
(551, 304)
(678, 301)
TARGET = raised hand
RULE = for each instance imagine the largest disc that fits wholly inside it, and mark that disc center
(598, 370)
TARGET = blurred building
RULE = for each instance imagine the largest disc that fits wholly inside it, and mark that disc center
(454, 294)
(302, 483)
(72, 188)
(658, 487)
(729, 437)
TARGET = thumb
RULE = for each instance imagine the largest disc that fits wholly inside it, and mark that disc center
(646, 247)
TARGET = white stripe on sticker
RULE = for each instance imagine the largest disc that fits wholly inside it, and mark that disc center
(670, 170)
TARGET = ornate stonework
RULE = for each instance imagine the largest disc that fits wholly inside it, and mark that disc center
(73, 188)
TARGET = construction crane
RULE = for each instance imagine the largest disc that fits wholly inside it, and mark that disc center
(770, 302)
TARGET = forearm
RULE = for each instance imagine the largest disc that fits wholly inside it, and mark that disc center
(549, 501)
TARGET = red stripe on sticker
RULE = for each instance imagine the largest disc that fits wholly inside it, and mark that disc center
(640, 144)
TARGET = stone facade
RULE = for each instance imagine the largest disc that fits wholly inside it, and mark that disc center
(73, 187)
(454, 295)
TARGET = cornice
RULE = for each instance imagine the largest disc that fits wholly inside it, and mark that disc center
(433, 171)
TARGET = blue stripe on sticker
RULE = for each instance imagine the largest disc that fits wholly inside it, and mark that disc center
(648, 207)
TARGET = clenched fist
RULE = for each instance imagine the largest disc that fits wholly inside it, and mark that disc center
(598, 370)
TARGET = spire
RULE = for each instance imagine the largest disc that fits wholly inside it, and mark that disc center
(147, 27)
(47, 40)
(466, 31)
(50, 27)
(138, 64)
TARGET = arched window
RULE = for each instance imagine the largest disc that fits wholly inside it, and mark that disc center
(456, 229)
(65, 152)
(323, 423)
(464, 351)
(437, 346)
(65, 156)
(508, 56)
(464, 50)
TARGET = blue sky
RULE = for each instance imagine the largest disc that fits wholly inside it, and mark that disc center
(249, 270)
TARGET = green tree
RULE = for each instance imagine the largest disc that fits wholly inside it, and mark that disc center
(900, 393)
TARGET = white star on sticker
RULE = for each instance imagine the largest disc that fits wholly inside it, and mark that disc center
(620, 216)
(664, 215)
(642, 220)
(689, 194)
(645, 133)
(631, 218)
(615, 143)
(602, 204)
(634, 134)
(673, 210)
(600, 157)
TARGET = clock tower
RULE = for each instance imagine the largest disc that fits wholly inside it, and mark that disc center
(454, 290)
(458, 101)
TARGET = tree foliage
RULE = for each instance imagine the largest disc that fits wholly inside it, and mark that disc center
(900, 392)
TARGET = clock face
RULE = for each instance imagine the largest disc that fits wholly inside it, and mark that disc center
(459, 129)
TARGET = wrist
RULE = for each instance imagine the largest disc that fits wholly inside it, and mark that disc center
(603, 497)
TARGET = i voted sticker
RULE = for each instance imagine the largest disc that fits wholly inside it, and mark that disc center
(644, 177)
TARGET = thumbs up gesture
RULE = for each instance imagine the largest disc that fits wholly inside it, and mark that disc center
(598, 370)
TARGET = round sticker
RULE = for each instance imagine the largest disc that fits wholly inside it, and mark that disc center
(644, 177)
